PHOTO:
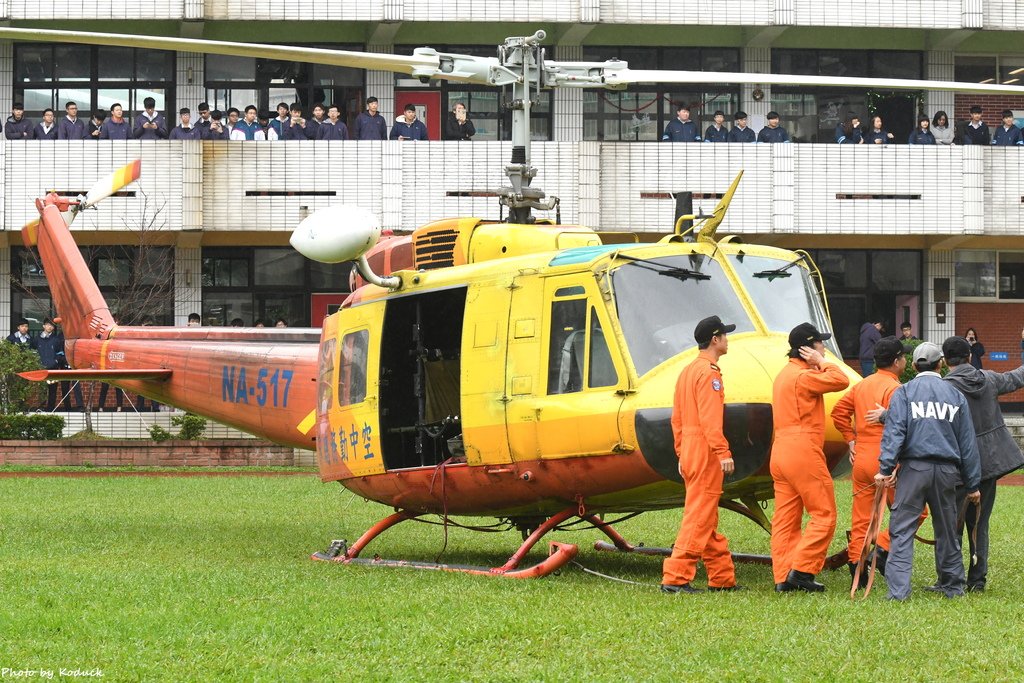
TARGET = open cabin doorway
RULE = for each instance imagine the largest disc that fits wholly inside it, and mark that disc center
(421, 351)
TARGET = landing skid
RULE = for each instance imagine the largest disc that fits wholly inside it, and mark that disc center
(559, 554)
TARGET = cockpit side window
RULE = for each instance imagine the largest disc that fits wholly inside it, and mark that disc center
(567, 348)
(325, 375)
(352, 368)
(602, 369)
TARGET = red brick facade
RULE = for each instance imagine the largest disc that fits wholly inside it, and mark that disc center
(998, 326)
(992, 107)
(117, 453)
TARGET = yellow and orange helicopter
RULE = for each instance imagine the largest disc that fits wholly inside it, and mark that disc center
(517, 369)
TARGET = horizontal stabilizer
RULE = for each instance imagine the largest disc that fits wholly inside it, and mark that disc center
(90, 375)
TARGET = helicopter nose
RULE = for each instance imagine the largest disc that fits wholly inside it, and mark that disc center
(747, 427)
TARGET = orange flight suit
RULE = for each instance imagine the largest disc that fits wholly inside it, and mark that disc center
(697, 418)
(850, 418)
(802, 478)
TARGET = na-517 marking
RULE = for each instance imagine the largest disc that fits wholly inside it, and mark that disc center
(237, 386)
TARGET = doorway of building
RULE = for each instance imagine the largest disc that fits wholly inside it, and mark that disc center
(428, 108)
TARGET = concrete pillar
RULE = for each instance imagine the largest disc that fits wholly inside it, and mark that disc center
(939, 317)
(5, 288)
(756, 60)
(188, 283)
(567, 125)
(938, 66)
(191, 89)
(381, 84)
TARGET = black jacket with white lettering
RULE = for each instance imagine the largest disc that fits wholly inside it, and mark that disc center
(929, 419)
(1000, 454)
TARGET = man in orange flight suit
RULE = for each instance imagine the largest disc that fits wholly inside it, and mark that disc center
(850, 416)
(802, 478)
(704, 460)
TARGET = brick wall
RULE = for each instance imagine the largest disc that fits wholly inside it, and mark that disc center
(115, 453)
(992, 107)
(998, 326)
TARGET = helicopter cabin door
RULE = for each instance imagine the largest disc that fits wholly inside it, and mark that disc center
(564, 371)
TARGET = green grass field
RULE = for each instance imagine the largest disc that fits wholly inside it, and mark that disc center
(209, 579)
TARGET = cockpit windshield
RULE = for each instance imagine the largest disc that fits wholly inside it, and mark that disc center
(659, 301)
(783, 293)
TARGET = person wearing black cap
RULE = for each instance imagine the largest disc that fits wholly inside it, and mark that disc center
(717, 132)
(740, 132)
(850, 416)
(681, 128)
(704, 460)
(928, 431)
(773, 132)
(997, 448)
(798, 467)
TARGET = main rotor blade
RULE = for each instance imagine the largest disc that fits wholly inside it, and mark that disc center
(625, 77)
(358, 60)
(111, 183)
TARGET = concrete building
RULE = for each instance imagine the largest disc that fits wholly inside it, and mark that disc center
(931, 235)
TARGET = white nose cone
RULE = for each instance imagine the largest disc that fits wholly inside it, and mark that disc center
(336, 234)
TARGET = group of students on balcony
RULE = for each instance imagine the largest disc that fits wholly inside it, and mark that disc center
(935, 131)
(289, 124)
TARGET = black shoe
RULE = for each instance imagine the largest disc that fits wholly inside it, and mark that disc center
(685, 588)
(976, 588)
(934, 589)
(726, 589)
(804, 581)
(863, 577)
(881, 556)
(784, 587)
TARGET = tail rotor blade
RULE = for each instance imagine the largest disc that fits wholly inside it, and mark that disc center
(112, 183)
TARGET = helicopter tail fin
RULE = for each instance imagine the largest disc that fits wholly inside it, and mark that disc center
(76, 297)
(710, 227)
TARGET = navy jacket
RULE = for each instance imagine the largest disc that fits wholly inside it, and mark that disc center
(742, 135)
(18, 130)
(921, 137)
(210, 134)
(769, 134)
(869, 336)
(870, 137)
(680, 131)
(313, 128)
(854, 138)
(370, 127)
(190, 133)
(294, 132)
(928, 419)
(976, 136)
(410, 131)
(38, 133)
(158, 133)
(999, 453)
(332, 131)
(1006, 137)
(51, 350)
(453, 130)
(29, 342)
(71, 130)
(111, 130)
(713, 134)
(278, 126)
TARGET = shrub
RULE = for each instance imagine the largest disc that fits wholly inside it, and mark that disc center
(35, 426)
(16, 394)
(192, 426)
(158, 433)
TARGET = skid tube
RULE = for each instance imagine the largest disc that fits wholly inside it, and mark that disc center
(559, 554)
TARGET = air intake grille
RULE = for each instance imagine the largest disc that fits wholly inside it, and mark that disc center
(435, 249)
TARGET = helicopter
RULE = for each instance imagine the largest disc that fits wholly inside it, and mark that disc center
(518, 368)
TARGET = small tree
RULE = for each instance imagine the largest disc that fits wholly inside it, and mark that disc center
(17, 394)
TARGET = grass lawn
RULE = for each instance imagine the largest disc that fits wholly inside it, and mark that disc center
(209, 579)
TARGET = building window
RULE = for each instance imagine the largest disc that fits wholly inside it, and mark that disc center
(241, 81)
(865, 285)
(990, 275)
(811, 114)
(263, 284)
(137, 283)
(1005, 69)
(93, 77)
(642, 111)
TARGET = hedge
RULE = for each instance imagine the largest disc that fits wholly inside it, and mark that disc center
(36, 426)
